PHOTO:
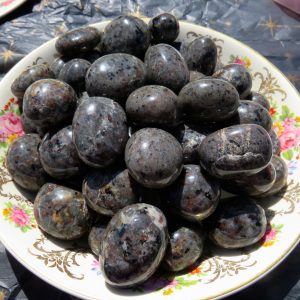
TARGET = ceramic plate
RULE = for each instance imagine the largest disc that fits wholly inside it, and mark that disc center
(6, 6)
(73, 269)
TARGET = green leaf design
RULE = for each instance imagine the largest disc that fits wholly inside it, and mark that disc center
(288, 155)
(9, 205)
(286, 113)
(3, 145)
(182, 281)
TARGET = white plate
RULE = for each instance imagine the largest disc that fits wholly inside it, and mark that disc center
(221, 272)
(7, 6)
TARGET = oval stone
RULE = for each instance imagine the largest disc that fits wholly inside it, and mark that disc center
(165, 66)
(194, 195)
(153, 157)
(99, 131)
(115, 76)
(209, 99)
(23, 162)
(133, 245)
(239, 149)
(61, 212)
(109, 190)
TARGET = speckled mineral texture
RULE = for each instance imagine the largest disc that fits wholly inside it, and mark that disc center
(237, 223)
(239, 149)
(194, 195)
(250, 112)
(126, 34)
(109, 190)
(99, 131)
(275, 142)
(209, 99)
(61, 212)
(134, 244)
(201, 55)
(96, 236)
(238, 76)
(281, 177)
(58, 154)
(153, 157)
(57, 64)
(73, 72)
(194, 75)
(190, 141)
(115, 76)
(260, 99)
(29, 76)
(153, 105)
(186, 246)
(165, 66)
(164, 28)
(77, 40)
(48, 102)
(252, 185)
(23, 162)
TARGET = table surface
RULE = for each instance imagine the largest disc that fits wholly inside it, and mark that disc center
(262, 25)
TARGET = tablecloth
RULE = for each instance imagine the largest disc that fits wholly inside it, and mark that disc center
(261, 24)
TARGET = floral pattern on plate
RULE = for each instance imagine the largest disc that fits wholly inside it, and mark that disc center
(10, 125)
(21, 216)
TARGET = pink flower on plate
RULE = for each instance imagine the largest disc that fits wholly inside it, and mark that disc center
(271, 235)
(10, 123)
(173, 283)
(19, 216)
(288, 122)
(239, 61)
(289, 138)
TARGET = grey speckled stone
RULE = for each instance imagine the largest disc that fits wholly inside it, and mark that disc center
(250, 112)
(239, 149)
(281, 177)
(73, 72)
(260, 99)
(99, 131)
(153, 157)
(109, 190)
(275, 142)
(126, 34)
(48, 102)
(194, 195)
(209, 99)
(238, 76)
(164, 28)
(29, 76)
(201, 55)
(77, 40)
(190, 141)
(134, 244)
(186, 246)
(153, 105)
(58, 63)
(58, 154)
(165, 66)
(95, 237)
(194, 75)
(252, 185)
(61, 212)
(115, 76)
(23, 162)
(237, 223)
